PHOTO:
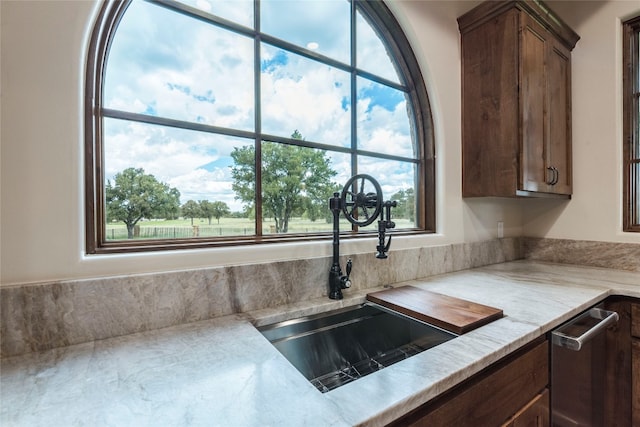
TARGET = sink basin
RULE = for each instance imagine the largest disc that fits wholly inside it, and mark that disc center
(332, 349)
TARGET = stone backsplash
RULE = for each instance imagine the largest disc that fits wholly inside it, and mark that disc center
(621, 256)
(35, 317)
(42, 316)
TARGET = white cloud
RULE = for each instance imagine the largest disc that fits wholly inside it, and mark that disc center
(192, 71)
(385, 131)
(324, 22)
(307, 96)
(371, 53)
(200, 184)
(188, 65)
(204, 5)
(156, 149)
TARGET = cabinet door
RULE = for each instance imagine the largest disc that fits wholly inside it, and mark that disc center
(559, 101)
(635, 382)
(533, 101)
(546, 111)
(618, 366)
(490, 132)
(635, 363)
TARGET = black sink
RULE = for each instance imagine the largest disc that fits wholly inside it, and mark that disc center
(335, 348)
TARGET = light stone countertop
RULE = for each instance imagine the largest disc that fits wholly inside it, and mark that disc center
(223, 372)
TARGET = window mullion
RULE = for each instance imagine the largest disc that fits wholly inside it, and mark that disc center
(196, 122)
(631, 107)
(354, 95)
(258, 119)
(354, 91)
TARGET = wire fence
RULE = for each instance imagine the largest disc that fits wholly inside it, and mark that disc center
(119, 232)
(177, 232)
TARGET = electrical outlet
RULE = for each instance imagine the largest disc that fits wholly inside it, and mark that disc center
(500, 229)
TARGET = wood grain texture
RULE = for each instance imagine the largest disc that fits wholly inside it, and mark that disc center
(490, 108)
(491, 398)
(618, 369)
(534, 414)
(488, 10)
(635, 382)
(559, 87)
(452, 314)
(635, 363)
(635, 319)
(533, 104)
(516, 102)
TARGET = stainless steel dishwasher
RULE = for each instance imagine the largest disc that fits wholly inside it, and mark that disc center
(578, 369)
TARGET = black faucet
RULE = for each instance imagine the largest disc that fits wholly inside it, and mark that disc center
(337, 281)
(370, 206)
(383, 224)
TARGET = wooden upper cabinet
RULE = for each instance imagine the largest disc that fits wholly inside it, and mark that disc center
(516, 100)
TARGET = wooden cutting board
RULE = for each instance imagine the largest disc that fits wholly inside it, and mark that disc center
(452, 314)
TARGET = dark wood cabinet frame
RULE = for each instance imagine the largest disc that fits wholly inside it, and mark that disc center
(381, 19)
(631, 127)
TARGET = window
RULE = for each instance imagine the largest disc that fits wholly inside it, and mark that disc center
(631, 123)
(217, 122)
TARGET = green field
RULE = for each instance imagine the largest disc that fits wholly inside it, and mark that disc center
(182, 228)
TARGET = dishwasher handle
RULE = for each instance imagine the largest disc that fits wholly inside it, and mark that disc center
(563, 337)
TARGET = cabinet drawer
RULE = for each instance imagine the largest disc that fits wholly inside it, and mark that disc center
(534, 414)
(492, 397)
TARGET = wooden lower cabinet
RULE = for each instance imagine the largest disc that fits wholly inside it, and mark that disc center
(514, 392)
(534, 414)
(511, 392)
(635, 319)
(635, 363)
(622, 385)
(617, 365)
(635, 382)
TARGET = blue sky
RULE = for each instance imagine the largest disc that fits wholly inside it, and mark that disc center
(167, 65)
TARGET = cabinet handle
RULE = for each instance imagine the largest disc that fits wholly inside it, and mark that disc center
(553, 175)
(565, 336)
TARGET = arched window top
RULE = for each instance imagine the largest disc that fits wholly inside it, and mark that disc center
(232, 122)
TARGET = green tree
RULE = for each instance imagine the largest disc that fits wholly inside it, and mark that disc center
(214, 210)
(295, 180)
(171, 211)
(191, 209)
(318, 206)
(406, 204)
(135, 195)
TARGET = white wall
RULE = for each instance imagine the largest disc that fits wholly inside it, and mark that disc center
(43, 50)
(595, 211)
(432, 29)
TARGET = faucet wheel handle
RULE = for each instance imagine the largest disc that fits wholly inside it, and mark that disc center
(361, 200)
